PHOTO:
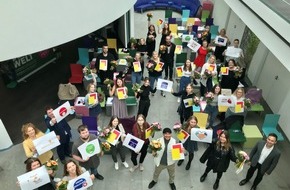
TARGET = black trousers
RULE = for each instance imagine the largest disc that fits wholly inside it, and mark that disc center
(168, 66)
(144, 107)
(143, 152)
(207, 88)
(251, 172)
(63, 149)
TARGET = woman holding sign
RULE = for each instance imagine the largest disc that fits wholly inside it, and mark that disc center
(218, 156)
(221, 42)
(230, 79)
(185, 108)
(238, 97)
(201, 55)
(30, 133)
(119, 93)
(212, 106)
(139, 130)
(137, 69)
(208, 71)
(92, 101)
(189, 145)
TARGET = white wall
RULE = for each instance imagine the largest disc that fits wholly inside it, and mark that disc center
(30, 26)
(235, 27)
(284, 121)
(221, 13)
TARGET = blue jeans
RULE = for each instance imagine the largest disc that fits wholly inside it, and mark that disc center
(136, 77)
(153, 79)
(212, 112)
(184, 81)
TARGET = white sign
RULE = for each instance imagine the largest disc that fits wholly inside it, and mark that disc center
(89, 149)
(221, 41)
(226, 92)
(46, 142)
(226, 101)
(201, 135)
(62, 111)
(193, 45)
(186, 37)
(233, 52)
(133, 143)
(164, 85)
(34, 179)
(82, 182)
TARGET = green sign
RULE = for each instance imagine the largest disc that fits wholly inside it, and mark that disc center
(90, 149)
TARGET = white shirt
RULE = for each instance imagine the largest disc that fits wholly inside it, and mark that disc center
(187, 73)
(233, 53)
(264, 154)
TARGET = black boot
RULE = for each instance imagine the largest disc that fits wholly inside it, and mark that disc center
(179, 162)
(190, 158)
(216, 184)
(202, 178)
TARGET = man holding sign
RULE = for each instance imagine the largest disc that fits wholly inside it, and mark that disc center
(62, 131)
(89, 163)
(168, 57)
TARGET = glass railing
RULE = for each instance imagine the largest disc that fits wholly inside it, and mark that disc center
(280, 7)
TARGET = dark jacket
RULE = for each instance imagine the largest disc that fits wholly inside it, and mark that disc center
(61, 128)
(168, 57)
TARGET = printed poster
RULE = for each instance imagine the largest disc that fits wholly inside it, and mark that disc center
(62, 111)
(186, 37)
(133, 143)
(89, 149)
(92, 98)
(149, 132)
(178, 49)
(103, 65)
(211, 67)
(182, 135)
(164, 85)
(122, 62)
(177, 152)
(46, 142)
(121, 93)
(225, 70)
(239, 107)
(114, 137)
(233, 52)
(201, 135)
(179, 71)
(159, 66)
(34, 179)
(225, 101)
(221, 41)
(188, 102)
(226, 92)
(193, 45)
(82, 182)
(137, 66)
(159, 22)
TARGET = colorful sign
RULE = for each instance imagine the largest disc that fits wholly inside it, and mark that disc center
(224, 70)
(182, 135)
(239, 107)
(179, 71)
(137, 66)
(62, 111)
(133, 143)
(89, 149)
(165, 85)
(177, 152)
(114, 137)
(46, 142)
(103, 65)
(82, 182)
(211, 67)
(178, 49)
(201, 135)
(149, 132)
(159, 66)
(92, 98)
(121, 93)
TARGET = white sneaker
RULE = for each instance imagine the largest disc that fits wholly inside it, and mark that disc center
(116, 166)
(141, 167)
(133, 168)
(178, 100)
(126, 164)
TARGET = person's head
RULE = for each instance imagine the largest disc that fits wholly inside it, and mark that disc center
(207, 28)
(204, 44)
(138, 56)
(71, 168)
(142, 41)
(187, 65)
(271, 140)
(189, 28)
(224, 140)
(84, 132)
(192, 121)
(166, 26)
(48, 111)
(155, 54)
(223, 32)
(189, 88)
(141, 119)
(168, 39)
(114, 121)
(236, 43)
(146, 81)
(32, 164)
(151, 28)
(105, 48)
(231, 63)
(216, 89)
(211, 59)
(167, 133)
(239, 92)
(91, 88)
(29, 131)
(119, 82)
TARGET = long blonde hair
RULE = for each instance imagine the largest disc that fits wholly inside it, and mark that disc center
(25, 128)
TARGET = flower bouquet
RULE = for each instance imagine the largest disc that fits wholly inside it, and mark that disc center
(62, 185)
(207, 74)
(209, 50)
(87, 70)
(136, 88)
(113, 65)
(133, 41)
(162, 48)
(196, 101)
(154, 146)
(209, 97)
(105, 146)
(196, 75)
(105, 133)
(151, 66)
(238, 72)
(247, 102)
(51, 165)
(129, 59)
(156, 126)
(109, 82)
(177, 127)
(149, 16)
(242, 159)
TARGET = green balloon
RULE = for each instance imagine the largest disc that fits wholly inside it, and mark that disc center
(90, 148)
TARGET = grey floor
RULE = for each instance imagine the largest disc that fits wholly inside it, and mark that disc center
(162, 110)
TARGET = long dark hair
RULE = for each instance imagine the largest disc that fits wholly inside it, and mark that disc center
(214, 87)
(78, 170)
(227, 145)
(111, 120)
(29, 162)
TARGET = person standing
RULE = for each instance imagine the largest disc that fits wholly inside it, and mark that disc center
(212, 106)
(163, 160)
(62, 131)
(201, 56)
(168, 57)
(232, 80)
(94, 107)
(139, 130)
(164, 32)
(143, 94)
(207, 73)
(105, 55)
(218, 156)
(235, 51)
(264, 157)
(151, 39)
(92, 163)
(219, 49)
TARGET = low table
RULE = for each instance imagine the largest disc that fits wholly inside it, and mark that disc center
(252, 134)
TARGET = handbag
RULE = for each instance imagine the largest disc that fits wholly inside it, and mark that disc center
(67, 91)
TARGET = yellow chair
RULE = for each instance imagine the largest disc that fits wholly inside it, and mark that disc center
(112, 43)
(202, 119)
